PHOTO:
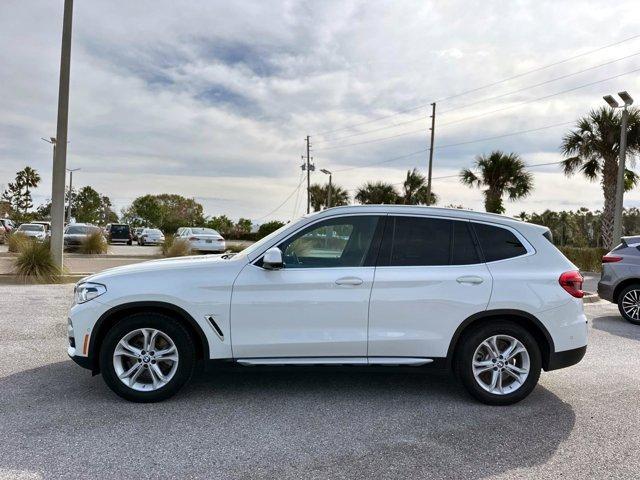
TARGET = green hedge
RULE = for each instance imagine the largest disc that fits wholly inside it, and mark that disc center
(587, 259)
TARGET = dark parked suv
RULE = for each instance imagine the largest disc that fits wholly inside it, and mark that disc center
(119, 233)
(620, 279)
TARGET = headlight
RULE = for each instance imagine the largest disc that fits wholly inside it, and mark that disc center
(88, 291)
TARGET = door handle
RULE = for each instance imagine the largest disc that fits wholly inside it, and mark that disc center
(470, 279)
(349, 281)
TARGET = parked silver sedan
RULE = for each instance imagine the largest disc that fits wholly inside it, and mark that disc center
(150, 236)
(33, 230)
(202, 239)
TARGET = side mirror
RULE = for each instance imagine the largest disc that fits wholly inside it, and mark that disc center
(272, 259)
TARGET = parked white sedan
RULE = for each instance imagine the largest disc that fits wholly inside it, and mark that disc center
(202, 239)
(34, 230)
(150, 236)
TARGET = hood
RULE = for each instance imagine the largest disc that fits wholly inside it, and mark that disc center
(155, 266)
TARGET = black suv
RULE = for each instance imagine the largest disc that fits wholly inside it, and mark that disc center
(119, 233)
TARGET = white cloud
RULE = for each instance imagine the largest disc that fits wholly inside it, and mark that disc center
(213, 99)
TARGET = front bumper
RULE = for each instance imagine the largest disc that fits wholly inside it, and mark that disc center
(84, 362)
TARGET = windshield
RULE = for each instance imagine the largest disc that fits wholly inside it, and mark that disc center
(206, 231)
(266, 240)
(77, 230)
(31, 228)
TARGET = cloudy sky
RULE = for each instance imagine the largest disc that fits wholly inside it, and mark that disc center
(213, 99)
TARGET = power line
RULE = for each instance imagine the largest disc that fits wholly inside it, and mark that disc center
(283, 202)
(471, 104)
(449, 145)
(540, 84)
(539, 98)
(528, 72)
(375, 140)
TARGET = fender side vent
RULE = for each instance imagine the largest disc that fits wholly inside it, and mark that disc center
(215, 326)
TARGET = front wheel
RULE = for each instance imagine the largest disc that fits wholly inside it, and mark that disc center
(629, 303)
(147, 357)
(499, 363)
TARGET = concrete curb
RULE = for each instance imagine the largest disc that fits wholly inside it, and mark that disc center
(590, 297)
(105, 255)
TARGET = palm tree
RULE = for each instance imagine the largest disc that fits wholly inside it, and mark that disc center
(414, 190)
(320, 196)
(501, 173)
(593, 148)
(375, 193)
(28, 178)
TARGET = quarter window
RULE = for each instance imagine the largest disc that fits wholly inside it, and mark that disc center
(339, 242)
(498, 243)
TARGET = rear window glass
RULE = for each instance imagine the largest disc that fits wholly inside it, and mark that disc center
(119, 228)
(77, 230)
(498, 243)
(204, 231)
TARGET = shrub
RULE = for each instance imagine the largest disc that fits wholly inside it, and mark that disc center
(587, 259)
(94, 243)
(35, 263)
(175, 247)
(17, 241)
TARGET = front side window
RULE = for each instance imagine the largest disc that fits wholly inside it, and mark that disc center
(338, 242)
(498, 243)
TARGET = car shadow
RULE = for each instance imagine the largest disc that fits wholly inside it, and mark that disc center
(616, 325)
(291, 422)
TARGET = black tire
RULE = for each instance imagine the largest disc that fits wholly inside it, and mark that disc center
(472, 339)
(130, 242)
(168, 326)
(627, 317)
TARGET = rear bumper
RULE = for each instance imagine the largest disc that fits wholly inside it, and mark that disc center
(567, 358)
(605, 291)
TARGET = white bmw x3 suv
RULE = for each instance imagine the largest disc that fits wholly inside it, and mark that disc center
(487, 296)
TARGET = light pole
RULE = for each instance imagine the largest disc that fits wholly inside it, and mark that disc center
(329, 192)
(617, 216)
(60, 160)
(70, 170)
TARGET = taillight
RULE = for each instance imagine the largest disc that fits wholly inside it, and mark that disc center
(572, 283)
(611, 259)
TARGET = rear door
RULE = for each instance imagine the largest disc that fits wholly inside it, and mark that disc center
(429, 279)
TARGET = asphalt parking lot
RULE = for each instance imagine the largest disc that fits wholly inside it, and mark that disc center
(56, 421)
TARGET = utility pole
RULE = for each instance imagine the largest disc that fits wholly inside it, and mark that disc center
(617, 216)
(308, 176)
(70, 170)
(60, 161)
(329, 190)
(433, 131)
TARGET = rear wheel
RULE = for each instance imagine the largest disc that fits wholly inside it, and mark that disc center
(629, 303)
(499, 363)
(147, 357)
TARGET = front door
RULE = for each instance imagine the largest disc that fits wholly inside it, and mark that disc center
(429, 279)
(317, 305)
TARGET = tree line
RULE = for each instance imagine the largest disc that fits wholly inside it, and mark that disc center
(591, 148)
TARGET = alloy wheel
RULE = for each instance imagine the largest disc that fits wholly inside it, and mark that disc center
(631, 304)
(145, 359)
(501, 364)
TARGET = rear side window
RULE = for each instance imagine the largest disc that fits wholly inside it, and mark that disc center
(420, 241)
(498, 243)
(464, 251)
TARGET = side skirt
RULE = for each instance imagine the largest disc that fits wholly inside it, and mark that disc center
(390, 361)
